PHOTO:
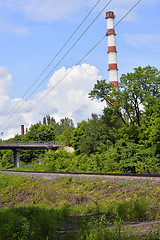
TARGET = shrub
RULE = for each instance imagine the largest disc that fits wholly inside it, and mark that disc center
(132, 210)
(7, 160)
(31, 223)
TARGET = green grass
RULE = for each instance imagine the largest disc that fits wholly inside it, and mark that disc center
(71, 205)
(37, 223)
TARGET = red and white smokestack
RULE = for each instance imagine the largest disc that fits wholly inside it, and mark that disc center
(22, 129)
(112, 53)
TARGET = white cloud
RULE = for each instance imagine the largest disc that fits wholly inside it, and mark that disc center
(5, 80)
(49, 10)
(71, 95)
(68, 99)
(7, 26)
(46, 10)
(121, 12)
(127, 3)
(5, 85)
(151, 41)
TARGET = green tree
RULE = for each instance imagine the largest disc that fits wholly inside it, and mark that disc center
(78, 135)
(45, 133)
(136, 93)
(32, 134)
(59, 127)
(17, 138)
(133, 101)
(37, 132)
(48, 120)
(95, 135)
(151, 135)
(111, 124)
(92, 137)
(66, 136)
(40, 132)
(6, 158)
(63, 124)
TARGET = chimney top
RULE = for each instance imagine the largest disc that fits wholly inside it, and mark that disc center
(110, 14)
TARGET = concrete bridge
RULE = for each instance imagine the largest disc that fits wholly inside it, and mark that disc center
(27, 145)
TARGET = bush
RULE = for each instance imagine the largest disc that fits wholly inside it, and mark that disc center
(132, 210)
(60, 160)
(7, 159)
(31, 223)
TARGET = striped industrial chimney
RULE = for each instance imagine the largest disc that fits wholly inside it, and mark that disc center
(22, 129)
(112, 53)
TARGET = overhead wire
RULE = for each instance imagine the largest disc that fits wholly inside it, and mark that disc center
(51, 63)
(60, 60)
(84, 57)
(127, 13)
(63, 46)
(64, 76)
(80, 60)
(69, 49)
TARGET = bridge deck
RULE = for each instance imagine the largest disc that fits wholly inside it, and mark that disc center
(29, 145)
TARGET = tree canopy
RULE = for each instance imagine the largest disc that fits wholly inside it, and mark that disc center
(124, 138)
(136, 94)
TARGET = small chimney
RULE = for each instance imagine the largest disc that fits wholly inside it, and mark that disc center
(112, 53)
(22, 129)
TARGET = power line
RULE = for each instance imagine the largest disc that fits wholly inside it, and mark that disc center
(69, 49)
(51, 62)
(80, 61)
(83, 57)
(63, 56)
(64, 76)
(69, 71)
(63, 46)
(128, 13)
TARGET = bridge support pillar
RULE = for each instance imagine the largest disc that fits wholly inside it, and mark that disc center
(16, 158)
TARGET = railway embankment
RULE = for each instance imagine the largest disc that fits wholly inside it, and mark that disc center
(85, 203)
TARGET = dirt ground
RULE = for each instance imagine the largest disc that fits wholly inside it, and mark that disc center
(136, 228)
(143, 227)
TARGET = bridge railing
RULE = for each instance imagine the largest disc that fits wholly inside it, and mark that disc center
(6, 143)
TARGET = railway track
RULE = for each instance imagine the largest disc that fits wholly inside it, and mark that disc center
(154, 178)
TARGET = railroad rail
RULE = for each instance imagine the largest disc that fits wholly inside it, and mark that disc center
(104, 176)
(118, 178)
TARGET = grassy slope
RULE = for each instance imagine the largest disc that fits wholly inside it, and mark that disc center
(83, 199)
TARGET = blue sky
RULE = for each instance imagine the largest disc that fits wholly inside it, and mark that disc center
(33, 31)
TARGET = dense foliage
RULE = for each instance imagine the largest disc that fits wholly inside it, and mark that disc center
(49, 130)
(125, 138)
